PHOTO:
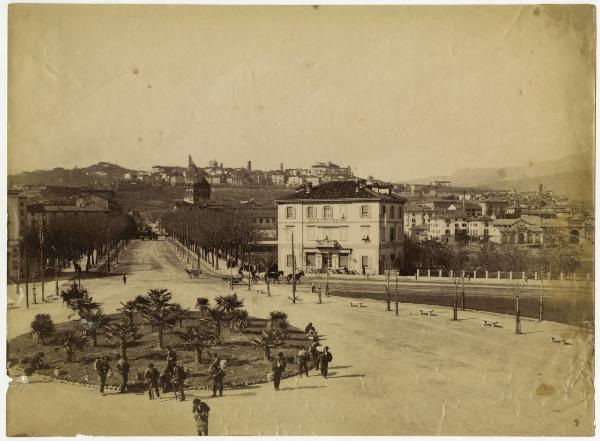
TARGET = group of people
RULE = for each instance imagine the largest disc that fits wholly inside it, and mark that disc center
(320, 359)
(174, 375)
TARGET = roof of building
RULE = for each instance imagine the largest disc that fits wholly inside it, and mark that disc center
(64, 209)
(349, 189)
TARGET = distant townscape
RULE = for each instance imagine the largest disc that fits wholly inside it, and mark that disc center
(341, 221)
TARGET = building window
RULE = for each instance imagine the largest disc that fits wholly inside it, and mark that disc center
(327, 212)
(342, 212)
(382, 234)
(310, 212)
(311, 259)
(343, 262)
(391, 212)
(365, 261)
(290, 260)
(290, 213)
(365, 211)
(392, 234)
(383, 210)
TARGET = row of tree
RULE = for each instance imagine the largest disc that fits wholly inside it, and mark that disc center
(229, 233)
(487, 257)
(67, 238)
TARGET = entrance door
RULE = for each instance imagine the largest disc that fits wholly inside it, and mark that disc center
(327, 260)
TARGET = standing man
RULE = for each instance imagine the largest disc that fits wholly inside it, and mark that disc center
(200, 410)
(326, 358)
(217, 374)
(102, 367)
(124, 279)
(171, 360)
(278, 369)
(123, 367)
(310, 329)
(178, 376)
(314, 352)
(303, 357)
(151, 375)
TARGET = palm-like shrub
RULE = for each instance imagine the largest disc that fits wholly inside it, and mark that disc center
(238, 319)
(42, 327)
(218, 316)
(278, 320)
(158, 313)
(197, 338)
(129, 308)
(70, 341)
(202, 305)
(269, 339)
(124, 333)
(229, 302)
(93, 322)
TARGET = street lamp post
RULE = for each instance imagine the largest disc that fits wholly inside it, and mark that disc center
(293, 271)
(41, 235)
(26, 273)
(396, 293)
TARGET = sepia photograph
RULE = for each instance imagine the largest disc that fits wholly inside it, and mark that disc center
(300, 220)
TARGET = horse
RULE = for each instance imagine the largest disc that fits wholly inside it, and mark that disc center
(273, 275)
(295, 276)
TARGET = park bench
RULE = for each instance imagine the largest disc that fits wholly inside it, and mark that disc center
(428, 312)
(291, 298)
(357, 304)
(559, 340)
(489, 323)
(260, 291)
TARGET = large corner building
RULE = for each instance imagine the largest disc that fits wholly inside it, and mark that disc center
(341, 224)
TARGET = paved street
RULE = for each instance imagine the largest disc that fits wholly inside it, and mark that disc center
(407, 375)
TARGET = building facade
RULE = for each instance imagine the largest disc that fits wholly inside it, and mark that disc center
(340, 224)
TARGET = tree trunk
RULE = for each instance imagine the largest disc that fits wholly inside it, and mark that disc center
(94, 335)
(123, 349)
(160, 338)
(267, 353)
(69, 354)
(198, 354)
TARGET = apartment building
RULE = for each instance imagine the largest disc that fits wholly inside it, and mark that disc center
(341, 224)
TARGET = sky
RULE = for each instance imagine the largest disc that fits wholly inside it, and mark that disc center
(397, 92)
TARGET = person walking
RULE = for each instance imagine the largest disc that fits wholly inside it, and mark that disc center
(326, 358)
(217, 374)
(200, 410)
(123, 368)
(151, 375)
(178, 377)
(303, 357)
(314, 352)
(278, 368)
(124, 279)
(102, 367)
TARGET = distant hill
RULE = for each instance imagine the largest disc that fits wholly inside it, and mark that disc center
(572, 176)
(100, 173)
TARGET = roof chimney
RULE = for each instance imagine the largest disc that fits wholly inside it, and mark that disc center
(308, 187)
